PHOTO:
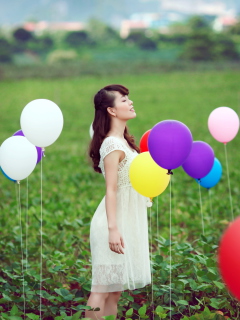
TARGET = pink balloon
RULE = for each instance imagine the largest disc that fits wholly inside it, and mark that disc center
(223, 124)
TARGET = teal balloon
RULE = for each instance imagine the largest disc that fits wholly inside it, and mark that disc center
(7, 175)
(213, 177)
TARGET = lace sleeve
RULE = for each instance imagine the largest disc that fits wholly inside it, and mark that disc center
(110, 144)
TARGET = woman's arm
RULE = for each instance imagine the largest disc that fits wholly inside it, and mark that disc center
(111, 162)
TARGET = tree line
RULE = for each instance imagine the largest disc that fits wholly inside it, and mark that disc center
(196, 38)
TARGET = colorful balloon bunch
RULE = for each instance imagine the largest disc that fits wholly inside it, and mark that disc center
(163, 148)
(41, 124)
(169, 145)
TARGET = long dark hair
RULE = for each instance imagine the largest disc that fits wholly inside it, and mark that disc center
(104, 99)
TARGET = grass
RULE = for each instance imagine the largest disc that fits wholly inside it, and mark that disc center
(72, 190)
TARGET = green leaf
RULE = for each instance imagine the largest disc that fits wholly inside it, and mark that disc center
(220, 285)
(159, 258)
(111, 317)
(6, 297)
(127, 296)
(14, 310)
(159, 309)
(33, 316)
(183, 281)
(184, 302)
(64, 293)
(206, 311)
(212, 270)
(215, 303)
(204, 239)
(129, 312)
(77, 315)
(142, 310)
(193, 284)
(3, 280)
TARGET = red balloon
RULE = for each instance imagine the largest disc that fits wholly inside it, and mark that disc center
(229, 258)
(143, 141)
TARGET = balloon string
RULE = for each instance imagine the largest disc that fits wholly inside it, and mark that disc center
(229, 186)
(200, 199)
(157, 222)
(41, 238)
(26, 226)
(151, 259)
(210, 201)
(170, 227)
(20, 222)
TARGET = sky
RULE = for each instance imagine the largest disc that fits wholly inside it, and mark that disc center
(110, 11)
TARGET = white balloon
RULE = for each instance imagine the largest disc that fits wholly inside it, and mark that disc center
(91, 132)
(41, 122)
(18, 157)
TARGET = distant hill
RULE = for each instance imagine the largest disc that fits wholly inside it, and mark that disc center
(111, 11)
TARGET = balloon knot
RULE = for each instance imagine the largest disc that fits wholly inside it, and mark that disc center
(169, 171)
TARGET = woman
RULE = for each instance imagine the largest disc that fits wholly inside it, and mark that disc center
(119, 227)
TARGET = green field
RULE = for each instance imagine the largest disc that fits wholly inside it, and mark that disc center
(72, 191)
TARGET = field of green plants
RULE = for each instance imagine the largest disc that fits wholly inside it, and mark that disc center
(72, 192)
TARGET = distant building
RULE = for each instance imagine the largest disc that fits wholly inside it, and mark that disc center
(41, 26)
(223, 22)
(131, 25)
(144, 21)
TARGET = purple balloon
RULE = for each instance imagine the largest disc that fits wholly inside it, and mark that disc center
(200, 161)
(170, 143)
(39, 150)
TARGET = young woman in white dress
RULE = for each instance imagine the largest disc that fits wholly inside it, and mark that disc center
(119, 227)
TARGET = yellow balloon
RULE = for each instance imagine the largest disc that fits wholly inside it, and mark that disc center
(147, 177)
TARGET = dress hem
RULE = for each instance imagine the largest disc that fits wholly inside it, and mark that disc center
(120, 288)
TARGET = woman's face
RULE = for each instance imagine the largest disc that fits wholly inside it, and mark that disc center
(123, 107)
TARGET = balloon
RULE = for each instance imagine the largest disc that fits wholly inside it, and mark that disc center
(39, 150)
(200, 161)
(91, 132)
(6, 175)
(229, 258)
(144, 141)
(18, 157)
(4, 172)
(170, 143)
(223, 124)
(41, 122)
(213, 177)
(146, 177)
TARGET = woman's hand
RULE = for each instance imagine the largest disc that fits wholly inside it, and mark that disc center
(116, 243)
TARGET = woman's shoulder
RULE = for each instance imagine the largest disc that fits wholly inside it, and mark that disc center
(110, 142)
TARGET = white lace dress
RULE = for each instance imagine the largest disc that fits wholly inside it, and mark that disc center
(112, 271)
